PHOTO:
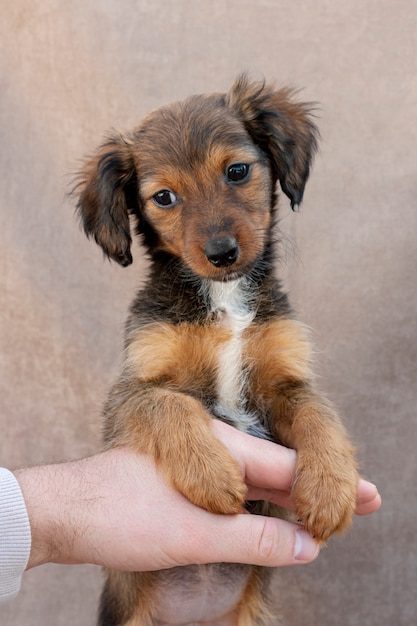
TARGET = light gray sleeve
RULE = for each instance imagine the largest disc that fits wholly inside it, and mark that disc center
(15, 535)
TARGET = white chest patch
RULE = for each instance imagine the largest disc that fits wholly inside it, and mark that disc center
(231, 302)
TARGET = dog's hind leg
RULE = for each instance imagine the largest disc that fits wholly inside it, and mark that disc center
(126, 599)
(253, 608)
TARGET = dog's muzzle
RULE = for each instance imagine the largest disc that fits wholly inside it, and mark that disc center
(222, 251)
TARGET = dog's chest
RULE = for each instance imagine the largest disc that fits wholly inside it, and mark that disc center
(232, 307)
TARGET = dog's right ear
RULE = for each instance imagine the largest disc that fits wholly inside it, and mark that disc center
(107, 192)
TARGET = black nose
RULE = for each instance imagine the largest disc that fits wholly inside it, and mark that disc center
(222, 251)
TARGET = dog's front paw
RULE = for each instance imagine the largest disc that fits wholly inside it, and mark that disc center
(324, 492)
(211, 479)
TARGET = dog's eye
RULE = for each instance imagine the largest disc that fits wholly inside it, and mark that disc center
(164, 198)
(237, 172)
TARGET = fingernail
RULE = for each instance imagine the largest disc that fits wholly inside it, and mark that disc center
(306, 548)
(369, 490)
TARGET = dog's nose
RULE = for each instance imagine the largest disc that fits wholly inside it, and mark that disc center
(222, 251)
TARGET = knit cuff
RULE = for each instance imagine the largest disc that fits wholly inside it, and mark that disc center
(15, 535)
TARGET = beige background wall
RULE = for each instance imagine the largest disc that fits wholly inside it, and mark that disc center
(72, 70)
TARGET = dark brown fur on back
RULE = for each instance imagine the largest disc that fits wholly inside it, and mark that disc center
(198, 179)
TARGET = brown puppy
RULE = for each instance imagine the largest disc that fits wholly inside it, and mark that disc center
(212, 334)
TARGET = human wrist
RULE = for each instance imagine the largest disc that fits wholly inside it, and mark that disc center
(45, 491)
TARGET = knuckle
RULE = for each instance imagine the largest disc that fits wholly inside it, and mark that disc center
(270, 546)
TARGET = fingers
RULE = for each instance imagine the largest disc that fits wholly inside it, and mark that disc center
(264, 464)
(269, 470)
(368, 499)
(254, 540)
(266, 541)
(282, 498)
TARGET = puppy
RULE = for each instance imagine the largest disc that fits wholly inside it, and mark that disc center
(212, 335)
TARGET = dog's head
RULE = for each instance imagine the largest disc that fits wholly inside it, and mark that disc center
(199, 178)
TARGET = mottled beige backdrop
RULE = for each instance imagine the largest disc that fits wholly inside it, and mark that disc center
(72, 70)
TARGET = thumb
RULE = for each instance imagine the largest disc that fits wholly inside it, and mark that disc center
(255, 540)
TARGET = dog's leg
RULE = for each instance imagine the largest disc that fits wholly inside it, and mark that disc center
(174, 429)
(126, 599)
(326, 480)
(253, 606)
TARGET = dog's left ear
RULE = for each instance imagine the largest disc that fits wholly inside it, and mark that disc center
(282, 127)
(107, 194)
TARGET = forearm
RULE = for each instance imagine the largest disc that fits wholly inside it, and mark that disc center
(56, 498)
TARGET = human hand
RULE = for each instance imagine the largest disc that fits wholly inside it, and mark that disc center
(256, 458)
(115, 509)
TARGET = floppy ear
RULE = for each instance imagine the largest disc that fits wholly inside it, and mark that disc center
(282, 128)
(107, 193)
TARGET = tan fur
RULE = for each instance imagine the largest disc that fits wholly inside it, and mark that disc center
(252, 608)
(276, 351)
(187, 354)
